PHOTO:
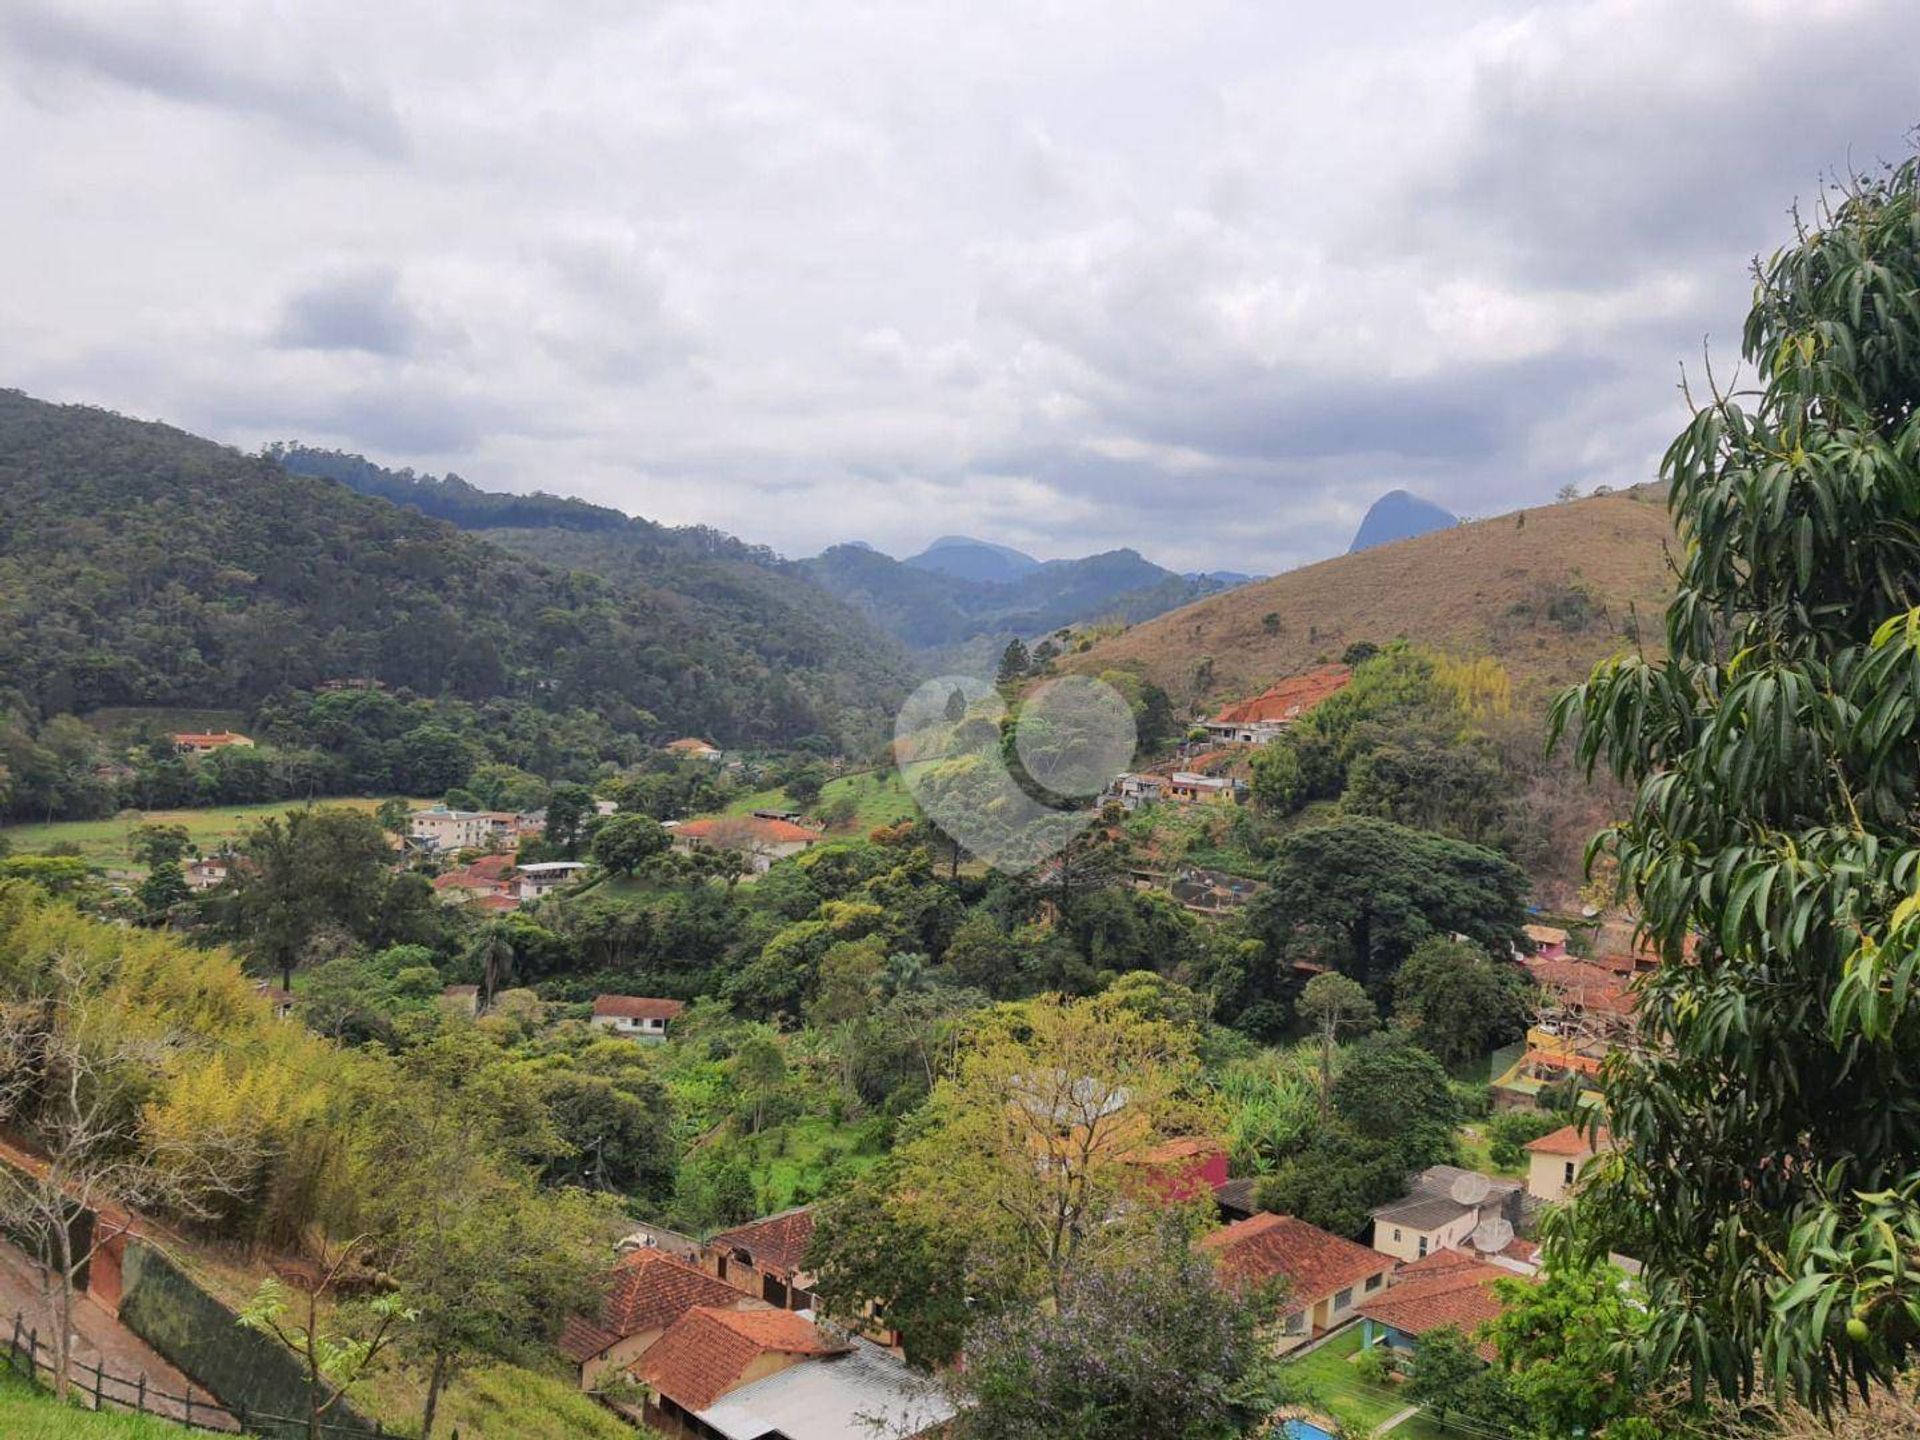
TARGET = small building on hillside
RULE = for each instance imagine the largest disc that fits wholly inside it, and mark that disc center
(647, 1291)
(208, 871)
(638, 1017)
(1555, 1160)
(1259, 720)
(691, 749)
(205, 742)
(1186, 787)
(762, 841)
(853, 1394)
(1547, 942)
(720, 1374)
(1135, 790)
(1442, 1209)
(1179, 1169)
(1326, 1277)
(763, 1258)
(530, 882)
(444, 829)
(1212, 892)
(1448, 1288)
(489, 875)
(280, 1001)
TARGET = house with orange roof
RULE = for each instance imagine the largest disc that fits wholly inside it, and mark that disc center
(488, 877)
(1259, 720)
(1448, 1288)
(646, 1292)
(1182, 1168)
(207, 871)
(1549, 942)
(762, 1374)
(712, 1349)
(205, 742)
(764, 1258)
(637, 1017)
(761, 839)
(1555, 1160)
(1325, 1276)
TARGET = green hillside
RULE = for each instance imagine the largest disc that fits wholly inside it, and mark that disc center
(141, 566)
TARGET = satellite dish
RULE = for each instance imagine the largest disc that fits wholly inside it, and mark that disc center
(1490, 1237)
(1470, 1188)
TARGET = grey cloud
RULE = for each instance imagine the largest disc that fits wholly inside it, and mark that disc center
(179, 60)
(1199, 279)
(362, 310)
(1602, 142)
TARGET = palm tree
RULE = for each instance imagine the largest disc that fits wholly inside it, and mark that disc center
(494, 951)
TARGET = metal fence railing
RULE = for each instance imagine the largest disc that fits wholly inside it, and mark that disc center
(94, 1385)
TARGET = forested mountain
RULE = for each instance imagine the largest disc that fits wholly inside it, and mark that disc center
(143, 565)
(928, 606)
(743, 596)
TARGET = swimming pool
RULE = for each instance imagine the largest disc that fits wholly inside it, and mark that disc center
(1297, 1429)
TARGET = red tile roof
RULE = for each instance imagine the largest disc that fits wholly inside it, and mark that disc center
(1568, 1140)
(777, 1243)
(1313, 1262)
(687, 745)
(1577, 982)
(747, 829)
(1290, 699)
(636, 1007)
(1449, 1287)
(648, 1290)
(209, 737)
(706, 1351)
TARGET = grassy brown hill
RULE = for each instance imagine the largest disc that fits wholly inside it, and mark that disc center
(1546, 591)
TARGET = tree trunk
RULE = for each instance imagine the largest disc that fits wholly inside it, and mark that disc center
(436, 1379)
(61, 1295)
(1326, 1069)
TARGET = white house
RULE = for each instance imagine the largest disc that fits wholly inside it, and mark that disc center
(639, 1017)
(1554, 1161)
(1442, 1210)
(761, 840)
(530, 882)
(445, 829)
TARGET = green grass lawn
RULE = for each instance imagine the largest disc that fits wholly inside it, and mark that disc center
(29, 1411)
(879, 798)
(1479, 1156)
(106, 842)
(1359, 1406)
(1341, 1392)
(494, 1400)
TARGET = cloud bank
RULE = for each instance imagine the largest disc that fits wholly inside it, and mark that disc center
(1203, 279)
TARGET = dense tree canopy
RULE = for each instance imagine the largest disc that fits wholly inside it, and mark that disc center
(1360, 894)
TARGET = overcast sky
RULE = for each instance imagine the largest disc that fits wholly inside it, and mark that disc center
(1200, 278)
